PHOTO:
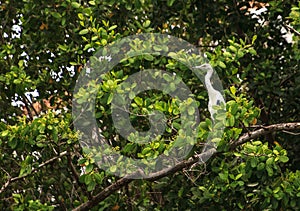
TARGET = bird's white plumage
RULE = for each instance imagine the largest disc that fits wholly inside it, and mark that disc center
(214, 96)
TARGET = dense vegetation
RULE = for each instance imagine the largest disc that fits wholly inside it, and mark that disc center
(254, 48)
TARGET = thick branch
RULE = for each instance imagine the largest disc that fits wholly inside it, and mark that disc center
(263, 131)
(201, 158)
(151, 177)
(103, 194)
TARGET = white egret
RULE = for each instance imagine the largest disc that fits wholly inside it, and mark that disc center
(214, 96)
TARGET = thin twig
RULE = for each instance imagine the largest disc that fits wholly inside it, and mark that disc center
(28, 104)
(33, 170)
(7, 182)
(292, 29)
(76, 176)
(291, 133)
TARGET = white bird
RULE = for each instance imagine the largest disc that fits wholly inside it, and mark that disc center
(214, 96)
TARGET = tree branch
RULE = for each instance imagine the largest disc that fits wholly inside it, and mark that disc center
(151, 177)
(10, 180)
(263, 131)
(76, 176)
(27, 106)
(292, 29)
(200, 158)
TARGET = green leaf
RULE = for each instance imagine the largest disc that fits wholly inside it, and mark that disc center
(254, 38)
(89, 168)
(113, 168)
(75, 5)
(221, 64)
(231, 121)
(88, 179)
(276, 190)
(269, 170)
(103, 41)
(270, 161)
(260, 166)
(40, 144)
(138, 101)
(110, 98)
(176, 125)
(254, 162)
(227, 54)
(170, 2)
(93, 3)
(56, 15)
(91, 185)
(191, 111)
(257, 143)
(203, 125)
(146, 24)
(233, 90)
(4, 133)
(223, 176)
(234, 108)
(80, 16)
(82, 161)
(240, 54)
(238, 176)
(283, 159)
(208, 123)
(13, 143)
(55, 135)
(83, 32)
(63, 47)
(233, 49)
(148, 57)
(98, 178)
(252, 51)
(112, 27)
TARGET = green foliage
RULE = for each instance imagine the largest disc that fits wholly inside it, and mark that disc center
(20, 204)
(251, 180)
(44, 47)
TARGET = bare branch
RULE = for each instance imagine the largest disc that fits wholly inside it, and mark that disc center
(7, 182)
(263, 131)
(292, 29)
(291, 133)
(10, 180)
(27, 104)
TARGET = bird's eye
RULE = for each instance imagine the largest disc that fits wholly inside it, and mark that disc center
(218, 102)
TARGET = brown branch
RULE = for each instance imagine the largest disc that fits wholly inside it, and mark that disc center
(291, 133)
(10, 180)
(151, 177)
(27, 106)
(7, 182)
(200, 158)
(76, 176)
(292, 29)
(263, 131)
(104, 194)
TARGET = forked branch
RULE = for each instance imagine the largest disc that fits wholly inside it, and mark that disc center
(263, 130)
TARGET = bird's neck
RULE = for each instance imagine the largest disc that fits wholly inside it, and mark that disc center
(208, 84)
